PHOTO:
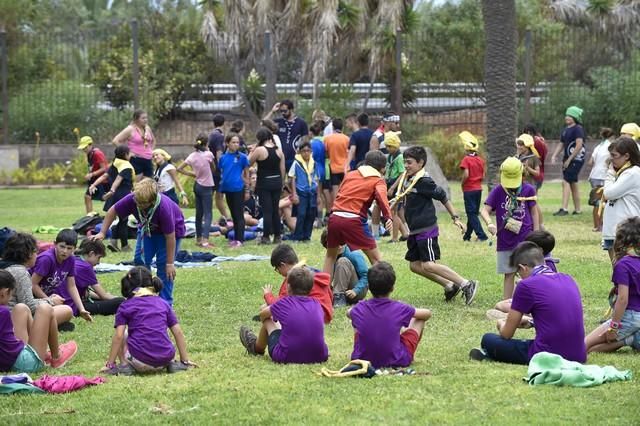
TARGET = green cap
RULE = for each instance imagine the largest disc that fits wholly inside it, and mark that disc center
(575, 112)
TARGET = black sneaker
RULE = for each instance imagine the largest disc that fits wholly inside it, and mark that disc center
(450, 294)
(477, 354)
(222, 221)
(576, 212)
(277, 239)
(248, 339)
(256, 318)
(469, 291)
(561, 212)
(66, 326)
(264, 241)
(176, 367)
(339, 300)
(125, 370)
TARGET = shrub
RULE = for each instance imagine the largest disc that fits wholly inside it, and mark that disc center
(70, 172)
(448, 151)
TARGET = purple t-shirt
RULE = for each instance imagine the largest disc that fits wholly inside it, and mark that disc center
(378, 322)
(166, 219)
(551, 262)
(147, 319)
(553, 300)
(54, 275)
(302, 338)
(85, 277)
(626, 271)
(498, 200)
(10, 345)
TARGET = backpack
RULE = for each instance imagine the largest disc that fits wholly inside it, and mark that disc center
(5, 233)
(86, 223)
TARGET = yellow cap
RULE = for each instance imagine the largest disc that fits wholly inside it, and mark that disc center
(631, 129)
(391, 139)
(469, 141)
(511, 173)
(162, 152)
(85, 141)
(527, 140)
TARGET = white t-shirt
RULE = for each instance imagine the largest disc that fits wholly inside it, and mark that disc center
(165, 181)
(599, 156)
(277, 141)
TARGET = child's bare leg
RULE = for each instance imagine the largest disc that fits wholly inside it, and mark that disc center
(268, 326)
(606, 347)
(404, 229)
(63, 313)
(54, 344)
(416, 268)
(88, 203)
(504, 305)
(418, 325)
(396, 225)
(373, 255)
(328, 198)
(509, 284)
(39, 338)
(375, 222)
(330, 260)
(21, 317)
(575, 195)
(443, 271)
(596, 337)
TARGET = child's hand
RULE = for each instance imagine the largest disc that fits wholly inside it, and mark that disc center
(351, 294)
(86, 315)
(611, 335)
(493, 230)
(190, 364)
(56, 299)
(460, 225)
(266, 289)
(388, 225)
(500, 324)
(294, 199)
(171, 271)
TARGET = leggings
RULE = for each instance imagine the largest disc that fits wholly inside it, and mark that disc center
(269, 200)
(122, 231)
(102, 307)
(235, 201)
(204, 205)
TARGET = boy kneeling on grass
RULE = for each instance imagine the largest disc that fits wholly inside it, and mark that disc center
(293, 327)
(378, 323)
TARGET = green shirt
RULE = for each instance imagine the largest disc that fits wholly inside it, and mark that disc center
(395, 166)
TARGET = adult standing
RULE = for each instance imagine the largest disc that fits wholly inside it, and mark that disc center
(271, 170)
(216, 146)
(141, 142)
(359, 143)
(572, 138)
(390, 123)
(291, 129)
(621, 190)
(337, 150)
(98, 166)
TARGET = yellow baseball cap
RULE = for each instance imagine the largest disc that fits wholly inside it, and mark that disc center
(162, 152)
(631, 129)
(85, 141)
(527, 140)
(391, 139)
(469, 141)
(511, 173)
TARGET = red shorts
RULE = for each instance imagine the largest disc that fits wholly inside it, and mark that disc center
(410, 339)
(352, 231)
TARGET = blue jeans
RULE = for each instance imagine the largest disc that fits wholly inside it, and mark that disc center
(472, 209)
(204, 206)
(138, 252)
(307, 212)
(512, 351)
(156, 246)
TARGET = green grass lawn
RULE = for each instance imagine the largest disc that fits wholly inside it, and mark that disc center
(231, 387)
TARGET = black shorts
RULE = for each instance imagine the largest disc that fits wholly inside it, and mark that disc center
(217, 179)
(336, 178)
(100, 191)
(570, 174)
(274, 339)
(426, 250)
(326, 184)
(142, 166)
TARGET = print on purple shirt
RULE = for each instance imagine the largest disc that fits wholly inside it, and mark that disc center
(54, 275)
(498, 200)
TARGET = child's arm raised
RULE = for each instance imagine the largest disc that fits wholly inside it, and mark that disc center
(507, 328)
(422, 314)
(178, 336)
(116, 348)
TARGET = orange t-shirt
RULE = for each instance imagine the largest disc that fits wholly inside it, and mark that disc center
(337, 147)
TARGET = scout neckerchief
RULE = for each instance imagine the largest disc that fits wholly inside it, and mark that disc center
(145, 218)
(144, 291)
(159, 169)
(308, 167)
(514, 198)
(121, 165)
(412, 182)
(624, 167)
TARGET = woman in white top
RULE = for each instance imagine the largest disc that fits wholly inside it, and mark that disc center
(621, 189)
(167, 177)
(599, 163)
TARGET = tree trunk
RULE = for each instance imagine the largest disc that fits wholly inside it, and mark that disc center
(500, 81)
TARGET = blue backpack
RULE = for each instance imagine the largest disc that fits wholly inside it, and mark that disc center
(5, 233)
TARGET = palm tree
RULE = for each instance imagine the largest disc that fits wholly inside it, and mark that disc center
(499, 18)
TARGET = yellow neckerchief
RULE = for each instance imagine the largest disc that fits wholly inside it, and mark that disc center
(121, 165)
(603, 200)
(402, 192)
(308, 167)
(368, 171)
(624, 167)
(144, 291)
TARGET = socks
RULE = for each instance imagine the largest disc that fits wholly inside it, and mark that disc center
(464, 284)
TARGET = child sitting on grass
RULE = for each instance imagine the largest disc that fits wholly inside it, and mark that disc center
(283, 259)
(514, 203)
(623, 329)
(378, 323)
(24, 339)
(552, 300)
(423, 251)
(292, 328)
(141, 340)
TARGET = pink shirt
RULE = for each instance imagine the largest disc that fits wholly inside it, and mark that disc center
(136, 144)
(200, 162)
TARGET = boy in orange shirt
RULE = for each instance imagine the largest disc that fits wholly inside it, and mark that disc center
(348, 220)
(337, 149)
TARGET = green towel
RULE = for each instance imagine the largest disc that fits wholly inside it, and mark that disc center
(46, 229)
(551, 369)
(19, 388)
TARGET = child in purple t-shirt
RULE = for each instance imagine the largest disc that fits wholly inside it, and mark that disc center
(162, 224)
(54, 274)
(623, 329)
(141, 340)
(24, 339)
(293, 327)
(553, 300)
(379, 322)
(513, 202)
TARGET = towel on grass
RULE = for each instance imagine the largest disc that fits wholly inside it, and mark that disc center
(547, 368)
(64, 384)
(103, 268)
(18, 383)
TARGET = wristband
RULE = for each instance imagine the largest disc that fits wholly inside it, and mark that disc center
(615, 325)
(169, 264)
(455, 217)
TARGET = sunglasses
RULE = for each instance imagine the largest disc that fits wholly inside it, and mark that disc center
(284, 111)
